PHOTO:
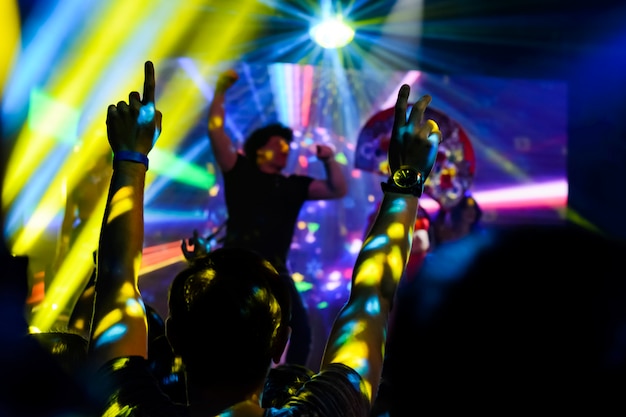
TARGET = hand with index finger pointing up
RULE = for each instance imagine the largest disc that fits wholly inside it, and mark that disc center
(135, 126)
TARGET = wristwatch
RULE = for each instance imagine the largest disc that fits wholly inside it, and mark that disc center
(405, 180)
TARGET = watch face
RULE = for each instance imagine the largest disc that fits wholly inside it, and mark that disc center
(405, 178)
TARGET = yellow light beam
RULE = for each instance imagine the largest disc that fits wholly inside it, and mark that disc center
(73, 272)
(10, 45)
(73, 84)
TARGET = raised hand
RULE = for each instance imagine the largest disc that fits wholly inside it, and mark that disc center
(414, 142)
(200, 246)
(324, 152)
(225, 80)
(132, 129)
(135, 126)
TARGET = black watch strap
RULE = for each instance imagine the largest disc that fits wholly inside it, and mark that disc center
(405, 180)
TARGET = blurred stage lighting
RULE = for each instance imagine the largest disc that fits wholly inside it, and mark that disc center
(332, 33)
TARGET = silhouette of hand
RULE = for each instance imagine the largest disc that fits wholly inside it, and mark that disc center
(324, 152)
(225, 80)
(200, 246)
(135, 126)
(414, 143)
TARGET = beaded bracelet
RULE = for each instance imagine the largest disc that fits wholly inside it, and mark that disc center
(131, 156)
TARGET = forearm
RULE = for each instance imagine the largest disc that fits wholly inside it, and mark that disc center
(377, 272)
(119, 259)
(216, 113)
(66, 228)
(335, 178)
(121, 239)
(223, 149)
(63, 245)
(386, 249)
(62, 249)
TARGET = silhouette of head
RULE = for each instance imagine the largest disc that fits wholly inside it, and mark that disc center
(530, 302)
(467, 210)
(228, 317)
(260, 137)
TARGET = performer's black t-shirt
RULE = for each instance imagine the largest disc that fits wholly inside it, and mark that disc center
(263, 210)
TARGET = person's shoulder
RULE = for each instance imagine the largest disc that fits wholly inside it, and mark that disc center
(337, 390)
(120, 371)
(242, 164)
(282, 381)
(128, 382)
(343, 374)
(243, 161)
(292, 390)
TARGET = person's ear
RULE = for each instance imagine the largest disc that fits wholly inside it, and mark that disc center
(280, 343)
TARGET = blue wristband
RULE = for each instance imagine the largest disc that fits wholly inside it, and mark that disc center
(131, 156)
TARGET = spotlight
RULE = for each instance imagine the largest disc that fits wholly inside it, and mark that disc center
(332, 33)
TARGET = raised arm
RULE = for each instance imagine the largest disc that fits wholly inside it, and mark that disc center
(222, 145)
(335, 184)
(119, 326)
(357, 338)
(63, 244)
